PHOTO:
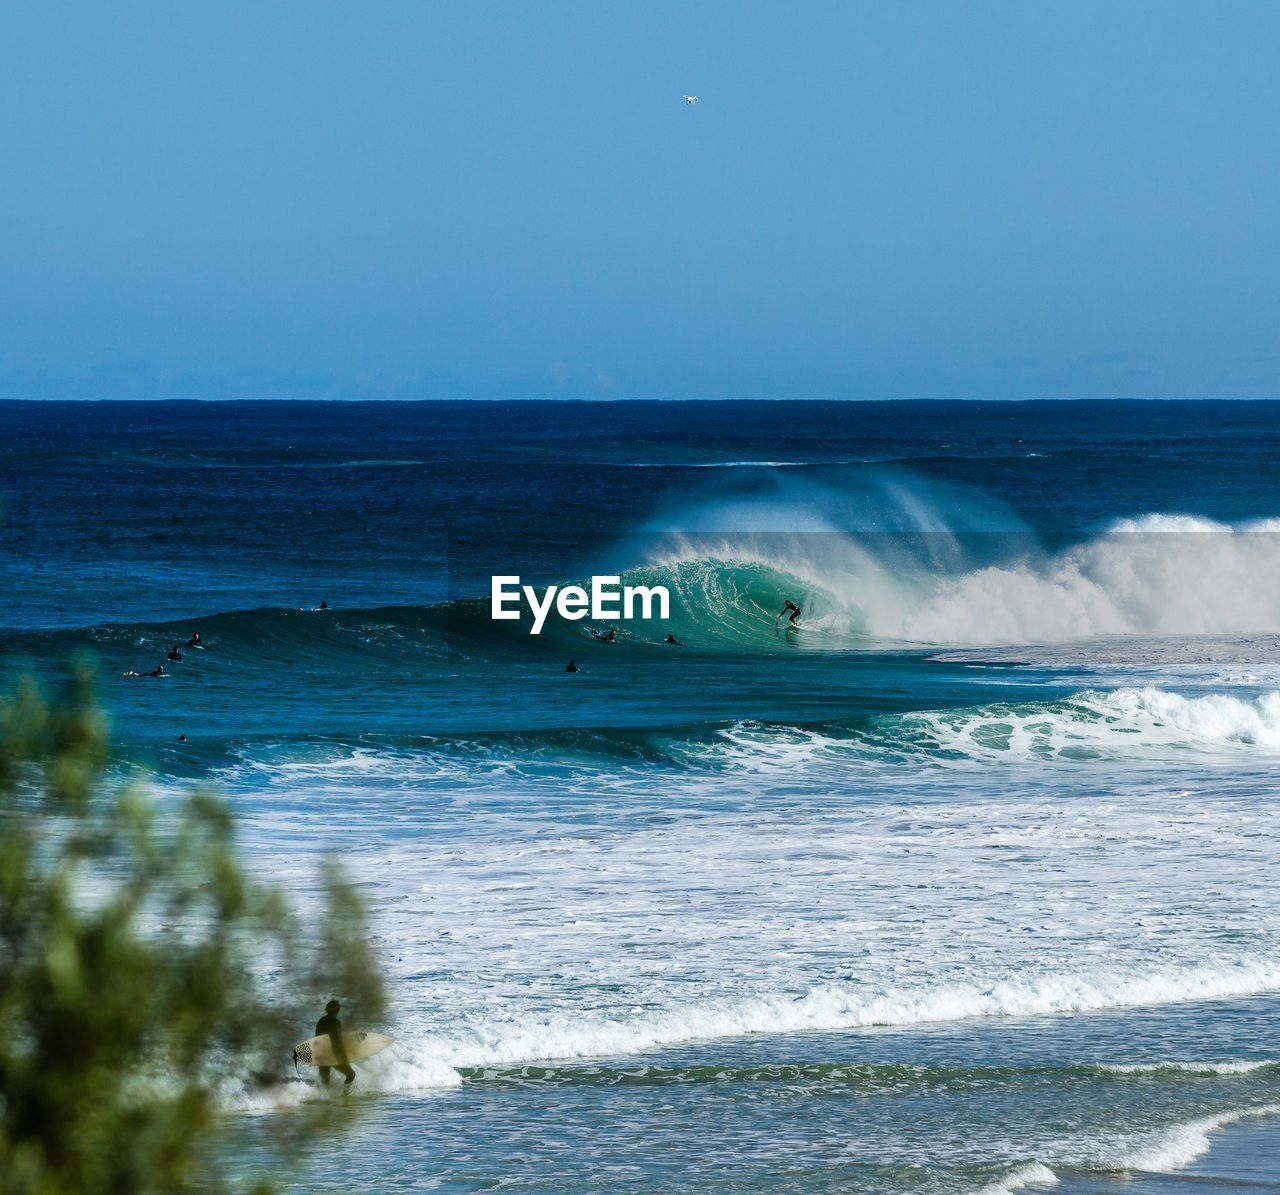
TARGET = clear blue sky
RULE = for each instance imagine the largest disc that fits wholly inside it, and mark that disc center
(1002, 200)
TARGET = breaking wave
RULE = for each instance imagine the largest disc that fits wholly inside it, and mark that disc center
(543, 1049)
(1161, 1150)
(1132, 725)
(1157, 575)
(884, 559)
(836, 1007)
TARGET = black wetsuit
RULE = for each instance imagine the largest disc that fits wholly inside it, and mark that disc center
(329, 1024)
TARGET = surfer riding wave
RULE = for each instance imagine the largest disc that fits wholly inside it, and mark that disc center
(794, 610)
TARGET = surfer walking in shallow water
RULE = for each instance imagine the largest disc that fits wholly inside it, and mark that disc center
(794, 611)
(332, 1027)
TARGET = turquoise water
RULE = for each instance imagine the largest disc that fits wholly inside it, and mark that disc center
(964, 884)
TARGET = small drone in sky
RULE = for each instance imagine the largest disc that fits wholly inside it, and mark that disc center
(690, 100)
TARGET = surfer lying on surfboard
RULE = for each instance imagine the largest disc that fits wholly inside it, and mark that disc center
(795, 612)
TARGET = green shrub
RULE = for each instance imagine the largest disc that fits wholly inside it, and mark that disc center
(141, 967)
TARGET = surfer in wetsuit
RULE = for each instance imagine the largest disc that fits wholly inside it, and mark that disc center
(793, 608)
(673, 641)
(175, 655)
(572, 667)
(331, 1026)
(611, 637)
(157, 671)
(194, 641)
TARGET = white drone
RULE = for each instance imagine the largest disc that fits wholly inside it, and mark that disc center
(691, 100)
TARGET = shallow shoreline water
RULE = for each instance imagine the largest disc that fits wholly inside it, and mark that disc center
(1244, 1156)
(912, 1109)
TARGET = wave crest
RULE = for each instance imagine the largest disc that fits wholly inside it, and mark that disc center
(1154, 576)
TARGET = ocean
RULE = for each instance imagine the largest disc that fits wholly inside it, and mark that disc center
(964, 883)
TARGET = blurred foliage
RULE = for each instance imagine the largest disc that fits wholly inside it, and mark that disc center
(142, 970)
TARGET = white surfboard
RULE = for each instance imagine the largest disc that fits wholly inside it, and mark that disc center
(359, 1045)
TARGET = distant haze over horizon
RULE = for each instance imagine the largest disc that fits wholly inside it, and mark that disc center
(429, 201)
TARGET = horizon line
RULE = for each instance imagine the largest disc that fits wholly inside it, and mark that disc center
(597, 399)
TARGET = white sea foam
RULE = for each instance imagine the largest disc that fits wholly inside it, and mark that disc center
(1125, 722)
(1170, 1148)
(395, 1071)
(1161, 1150)
(839, 1006)
(604, 913)
(427, 1062)
(1028, 1175)
(1212, 719)
(1187, 1068)
(1159, 574)
(1129, 723)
